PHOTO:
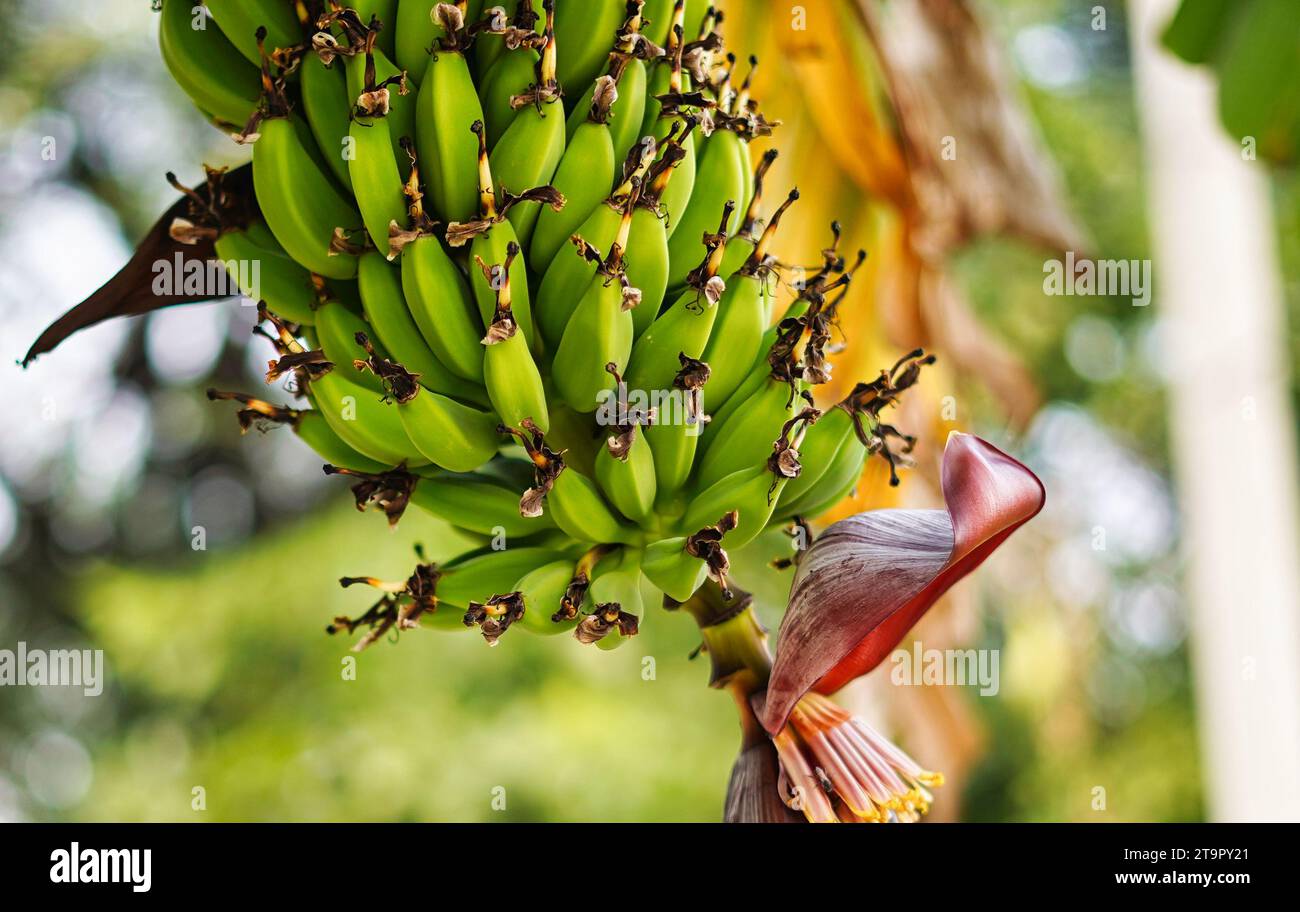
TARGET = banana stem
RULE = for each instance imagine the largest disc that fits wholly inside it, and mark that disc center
(735, 640)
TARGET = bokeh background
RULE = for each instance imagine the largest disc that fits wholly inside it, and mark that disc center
(220, 674)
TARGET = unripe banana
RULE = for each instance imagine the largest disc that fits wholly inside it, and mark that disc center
(625, 466)
(240, 20)
(657, 16)
(479, 575)
(336, 333)
(669, 104)
(818, 453)
(627, 69)
(684, 328)
(531, 148)
(450, 434)
(299, 201)
(514, 384)
(543, 589)
(512, 71)
(479, 503)
(600, 330)
(579, 510)
(415, 30)
(742, 316)
(617, 605)
(747, 435)
(573, 500)
(741, 247)
(674, 438)
(380, 284)
(438, 296)
(718, 178)
(288, 289)
(446, 107)
(585, 173)
(752, 492)
(672, 571)
(327, 106)
(584, 31)
(363, 422)
(647, 259)
(567, 278)
(678, 566)
(491, 238)
(204, 63)
(840, 478)
(385, 11)
(376, 177)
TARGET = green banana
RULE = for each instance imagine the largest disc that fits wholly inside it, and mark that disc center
(679, 565)
(437, 294)
(819, 452)
(376, 176)
(600, 330)
(742, 315)
(380, 284)
(583, 178)
(285, 287)
(490, 239)
(741, 247)
(567, 277)
(512, 71)
(309, 424)
(327, 105)
(304, 211)
(575, 435)
(752, 492)
(495, 23)
(627, 69)
(684, 328)
(477, 502)
(360, 419)
(647, 260)
(584, 31)
(336, 334)
(207, 67)
(718, 178)
(479, 575)
(625, 467)
(446, 107)
(240, 19)
(543, 589)
(742, 439)
(531, 148)
(514, 384)
(658, 19)
(617, 605)
(674, 437)
(415, 32)
(450, 434)
(574, 501)
(386, 12)
(665, 76)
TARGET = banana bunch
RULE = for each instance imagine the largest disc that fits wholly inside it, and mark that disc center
(516, 269)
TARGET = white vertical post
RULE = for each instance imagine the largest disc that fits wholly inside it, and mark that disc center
(1218, 289)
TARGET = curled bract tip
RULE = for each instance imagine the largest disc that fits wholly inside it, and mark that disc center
(869, 578)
